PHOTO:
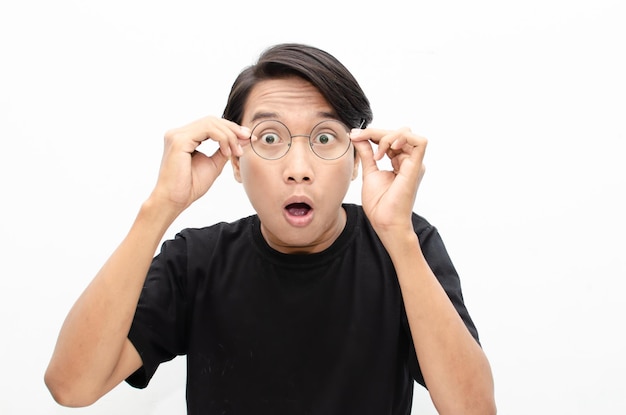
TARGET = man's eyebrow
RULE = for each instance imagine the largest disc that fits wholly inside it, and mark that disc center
(264, 116)
(331, 115)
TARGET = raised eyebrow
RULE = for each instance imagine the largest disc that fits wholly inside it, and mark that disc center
(328, 115)
(264, 116)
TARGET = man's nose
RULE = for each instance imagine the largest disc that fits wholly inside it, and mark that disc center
(299, 160)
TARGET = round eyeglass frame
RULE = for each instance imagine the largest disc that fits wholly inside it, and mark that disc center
(308, 136)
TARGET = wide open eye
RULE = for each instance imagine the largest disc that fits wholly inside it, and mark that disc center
(269, 139)
(324, 138)
(270, 133)
(330, 140)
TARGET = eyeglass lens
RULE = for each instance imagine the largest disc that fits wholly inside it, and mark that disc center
(272, 139)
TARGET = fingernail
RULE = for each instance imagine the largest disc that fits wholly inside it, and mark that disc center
(245, 131)
(355, 132)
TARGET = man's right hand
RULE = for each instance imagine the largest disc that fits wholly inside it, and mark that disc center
(93, 353)
(186, 174)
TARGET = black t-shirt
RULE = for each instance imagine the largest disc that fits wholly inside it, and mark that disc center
(271, 333)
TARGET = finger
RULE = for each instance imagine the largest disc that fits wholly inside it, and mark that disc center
(415, 167)
(386, 140)
(408, 140)
(373, 134)
(206, 169)
(224, 133)
(242, 135)
(369, 134)
(219, 160)
(366, 153)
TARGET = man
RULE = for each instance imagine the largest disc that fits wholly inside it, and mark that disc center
(311, 306)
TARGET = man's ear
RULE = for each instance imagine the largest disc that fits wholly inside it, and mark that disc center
(235, 161)
(357, 162)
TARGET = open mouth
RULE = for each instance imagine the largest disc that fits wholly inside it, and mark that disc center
(298, 209)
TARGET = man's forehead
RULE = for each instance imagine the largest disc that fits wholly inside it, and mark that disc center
(270, 115)
(281, 98)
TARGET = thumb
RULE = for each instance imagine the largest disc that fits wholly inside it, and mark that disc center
(209, 166)
(365, 151)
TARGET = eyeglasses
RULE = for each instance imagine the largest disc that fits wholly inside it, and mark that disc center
(329, 140)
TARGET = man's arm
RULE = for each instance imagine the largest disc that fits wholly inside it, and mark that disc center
(93, 353)
(454, 366)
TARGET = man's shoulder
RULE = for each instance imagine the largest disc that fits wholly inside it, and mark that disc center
(421, 224)
(240, 225)
(214, 236)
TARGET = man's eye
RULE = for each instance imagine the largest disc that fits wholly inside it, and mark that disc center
(324, 138)
(269, 138)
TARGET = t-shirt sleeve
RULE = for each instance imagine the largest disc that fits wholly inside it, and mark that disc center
(440, 263)
(158, 328)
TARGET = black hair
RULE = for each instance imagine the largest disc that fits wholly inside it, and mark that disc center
(316, 66)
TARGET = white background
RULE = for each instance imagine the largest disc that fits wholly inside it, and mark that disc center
(524, 105)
